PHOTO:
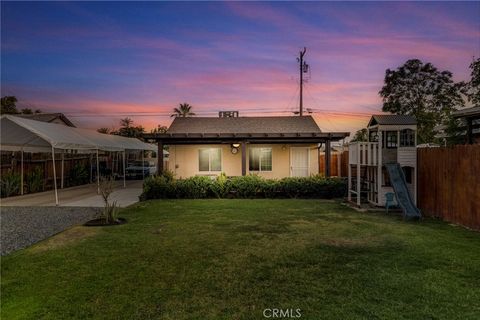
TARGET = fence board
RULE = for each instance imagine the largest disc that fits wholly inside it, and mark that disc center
(449, 184)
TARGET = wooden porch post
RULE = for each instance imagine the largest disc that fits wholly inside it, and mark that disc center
(160, 157)
(244, 158)
(469, 131)
(327, 158)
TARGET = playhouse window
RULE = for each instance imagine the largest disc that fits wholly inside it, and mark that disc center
(408, 171)
(407, 138)
(391, 139)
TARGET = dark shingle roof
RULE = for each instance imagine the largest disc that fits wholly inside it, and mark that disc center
(294, 124)
(391, 119)
(47, 117)
(467, 112)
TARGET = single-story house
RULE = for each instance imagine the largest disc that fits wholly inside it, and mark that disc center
(272, 147)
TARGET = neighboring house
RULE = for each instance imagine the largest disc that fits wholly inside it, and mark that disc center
(472, 119)
(58, 118)
(272, 147)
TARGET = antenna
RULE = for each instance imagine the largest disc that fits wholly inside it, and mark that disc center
(303, 68)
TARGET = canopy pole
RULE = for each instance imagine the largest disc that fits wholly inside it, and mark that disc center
(63, 170)
(124, 182)
(143, 165)
(98, 174)
(54, 176)
(91, 168)
(21, 174)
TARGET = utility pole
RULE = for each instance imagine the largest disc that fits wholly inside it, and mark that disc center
(303, 69)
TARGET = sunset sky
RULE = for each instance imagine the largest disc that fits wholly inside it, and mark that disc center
(100, 61)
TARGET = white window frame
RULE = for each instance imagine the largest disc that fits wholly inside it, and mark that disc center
(260, 159)
(210, 160)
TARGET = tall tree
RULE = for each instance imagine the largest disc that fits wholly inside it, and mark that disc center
(9, 105)
(103, 130)
(471, 89)
(128, 130)
(360, 135)
(421, 90)
(183, 110)
(159, 129)
(126, 122)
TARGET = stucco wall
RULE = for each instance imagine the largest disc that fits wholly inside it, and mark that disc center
(183, 160)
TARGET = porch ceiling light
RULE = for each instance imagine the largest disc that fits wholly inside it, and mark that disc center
(236, 145)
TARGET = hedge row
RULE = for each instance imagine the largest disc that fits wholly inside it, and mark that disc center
(251, 186)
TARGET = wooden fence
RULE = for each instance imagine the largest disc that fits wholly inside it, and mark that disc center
(338, 164)
(449, 184)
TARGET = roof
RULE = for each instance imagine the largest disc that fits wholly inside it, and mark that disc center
(35, 136)
(47, 117)
(391, 119)
(468, 112)
(244, 125)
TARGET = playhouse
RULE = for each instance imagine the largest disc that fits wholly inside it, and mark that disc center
(386, 163)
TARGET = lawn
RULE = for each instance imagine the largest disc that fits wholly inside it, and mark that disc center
(231, 259)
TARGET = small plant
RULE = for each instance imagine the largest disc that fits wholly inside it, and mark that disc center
(9, 184)
(34, 180)
(79, 175)
(110, 210)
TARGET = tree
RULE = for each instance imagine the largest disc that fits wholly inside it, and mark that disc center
(183, 110)
(27, 111)
(128, 130)
(159, 129)
(103, 130)
(9, 105)
(471, 89)
(360, 135)
(421, 90)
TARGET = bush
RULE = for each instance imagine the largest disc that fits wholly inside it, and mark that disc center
(79, 175)
(9, 184)
(34, 180)
(251, 186)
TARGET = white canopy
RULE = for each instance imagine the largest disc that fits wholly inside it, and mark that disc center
(30, 135)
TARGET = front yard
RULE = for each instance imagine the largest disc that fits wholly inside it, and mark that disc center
(231, 259)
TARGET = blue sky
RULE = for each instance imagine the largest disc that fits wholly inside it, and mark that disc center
(100, 61)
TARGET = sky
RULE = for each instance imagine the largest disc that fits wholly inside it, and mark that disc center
(98, 62)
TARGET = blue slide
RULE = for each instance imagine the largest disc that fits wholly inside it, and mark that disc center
(397, 179)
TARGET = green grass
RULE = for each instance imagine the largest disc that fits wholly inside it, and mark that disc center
(231, 259)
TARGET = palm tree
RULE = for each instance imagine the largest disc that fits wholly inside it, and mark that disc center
(183, 110)
(126, 122)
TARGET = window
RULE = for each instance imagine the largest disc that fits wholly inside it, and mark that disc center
(373, 136)
(408, 172)
(260, 159)
(210, 159)
(391, 139)
(407, 138)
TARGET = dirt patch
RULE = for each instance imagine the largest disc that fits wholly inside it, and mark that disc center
(68, 237)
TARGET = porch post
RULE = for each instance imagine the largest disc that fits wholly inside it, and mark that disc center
(54, 176)
(143, 164)
(359, 169)
(124, 171)
(327, 158)
(379, 168)
(244, 158)
(160, 157)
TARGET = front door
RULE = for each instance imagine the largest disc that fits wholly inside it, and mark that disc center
(299, 162)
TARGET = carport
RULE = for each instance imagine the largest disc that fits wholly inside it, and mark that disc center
(25, 135)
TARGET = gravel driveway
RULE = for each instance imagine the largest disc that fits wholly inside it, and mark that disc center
(24, 226)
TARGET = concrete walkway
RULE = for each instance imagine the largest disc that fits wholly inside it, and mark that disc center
(81, 196)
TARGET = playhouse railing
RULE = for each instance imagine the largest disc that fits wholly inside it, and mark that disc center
(363, 153)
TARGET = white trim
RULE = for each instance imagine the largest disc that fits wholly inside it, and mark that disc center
(291, 160)
(259, 160)
(209, 161)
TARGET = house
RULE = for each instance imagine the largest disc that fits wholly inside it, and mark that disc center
(386, 163)
(58, 118)
(472, 119)
(272, 147)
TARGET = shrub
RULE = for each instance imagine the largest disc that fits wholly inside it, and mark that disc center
(252, 186)
(79, 175)
(9, 184)
(34, 180)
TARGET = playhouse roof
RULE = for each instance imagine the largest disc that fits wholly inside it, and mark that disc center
(391, 119)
